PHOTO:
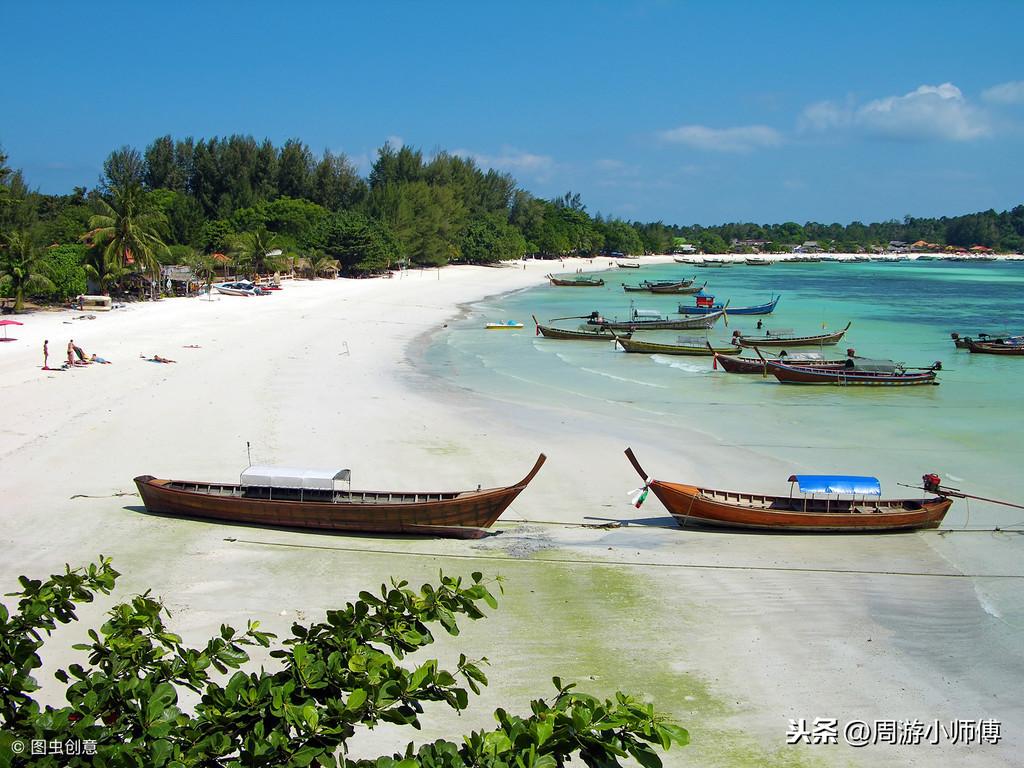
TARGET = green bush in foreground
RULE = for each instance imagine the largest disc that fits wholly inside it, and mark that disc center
(334, 677)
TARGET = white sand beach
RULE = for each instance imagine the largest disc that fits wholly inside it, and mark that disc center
(732, 634)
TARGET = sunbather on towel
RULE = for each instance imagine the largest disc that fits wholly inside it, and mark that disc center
(97, 359)
(157, 359)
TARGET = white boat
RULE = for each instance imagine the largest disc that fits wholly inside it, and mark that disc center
(240, 288)
(507, 325)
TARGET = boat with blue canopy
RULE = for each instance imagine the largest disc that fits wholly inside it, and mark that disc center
(827, 504)
(706, 305)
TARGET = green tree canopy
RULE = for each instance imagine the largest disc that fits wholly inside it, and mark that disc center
(328, 681)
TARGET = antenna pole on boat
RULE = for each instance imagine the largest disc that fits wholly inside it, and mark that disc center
(248, 452)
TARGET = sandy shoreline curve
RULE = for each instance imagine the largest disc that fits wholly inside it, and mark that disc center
(734, 635)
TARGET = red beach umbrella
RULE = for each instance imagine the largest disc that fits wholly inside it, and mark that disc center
(5, 323)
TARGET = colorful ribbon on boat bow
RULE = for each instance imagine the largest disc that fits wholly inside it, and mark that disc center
(640, 494)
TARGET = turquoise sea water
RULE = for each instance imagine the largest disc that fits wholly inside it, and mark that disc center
(969, 428)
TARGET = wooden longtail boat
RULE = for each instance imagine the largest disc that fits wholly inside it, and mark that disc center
(577, 282)
(854, 373)
(999, 347)
(758, 262)
(626, 265)
(640, 323)
(1000, 337)
(705, 308)
(308, 499)
(651, 348)
(688, 288)
(648, 286)
(751, 365)
(595, 333)
(693, 505)
(770, 340)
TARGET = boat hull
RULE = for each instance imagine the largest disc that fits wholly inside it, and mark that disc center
(760, 309)
(462, 515)
(690, 505)
(995, 349)
(790, 374)
(557, 333)
(646, 347)
(823, 339)
(683, 324)
(749, 365)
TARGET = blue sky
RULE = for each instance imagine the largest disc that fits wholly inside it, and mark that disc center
(688, 112)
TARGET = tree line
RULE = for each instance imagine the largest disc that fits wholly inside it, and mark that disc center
(260, 208)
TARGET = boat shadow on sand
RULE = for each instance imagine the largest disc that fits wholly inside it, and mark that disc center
(669, 522)
(227, 524)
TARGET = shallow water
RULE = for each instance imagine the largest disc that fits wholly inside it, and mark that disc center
(968, 429)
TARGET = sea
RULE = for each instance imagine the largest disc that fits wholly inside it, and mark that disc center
(968, 429)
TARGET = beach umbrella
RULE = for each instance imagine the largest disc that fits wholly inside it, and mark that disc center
(5, 323)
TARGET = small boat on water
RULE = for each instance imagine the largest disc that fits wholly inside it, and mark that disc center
(507, 325)
(685, 346)
(576, 282)
(754, 262)
(686, 286)
(859, 372)
(1005, 337)
(307, 498)
(705, 304)
(627, 265)
(786, 338)
(708, 263)
(837, 504)
(649, 286)
(997, 347)
(652, 320)
(584, 333)
(751, 365)
(686, 260)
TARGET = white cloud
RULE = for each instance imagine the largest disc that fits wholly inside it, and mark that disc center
(740, 139)
(824, 116)
(930, 112)
(510, 159)
(396, 141)
(1005, 93)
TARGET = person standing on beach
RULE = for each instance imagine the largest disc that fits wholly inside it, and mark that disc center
(71, 353)
(46, 354)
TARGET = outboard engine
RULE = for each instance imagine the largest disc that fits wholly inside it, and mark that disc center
(851, 352)
(736, 333)
(932, 483)
(937, 366)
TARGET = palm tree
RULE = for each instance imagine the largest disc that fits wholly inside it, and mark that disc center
(257, 251)
(20, 263)
(128, 230)
(101, 270)
(320, 263)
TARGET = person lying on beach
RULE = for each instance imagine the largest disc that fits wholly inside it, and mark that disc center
(157, 359)
(97, 359)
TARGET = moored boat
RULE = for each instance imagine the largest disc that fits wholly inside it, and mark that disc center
(862, 511)
(649, 286)
(576, 282)
(1005, 337)
(686, 286)
(584, 333)
(649, 320)
(751, 365)
(788, 339)
(689, 347)
(290, 498)
(705, 305)
(997, 347)
(855, 373)
(755, 262)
